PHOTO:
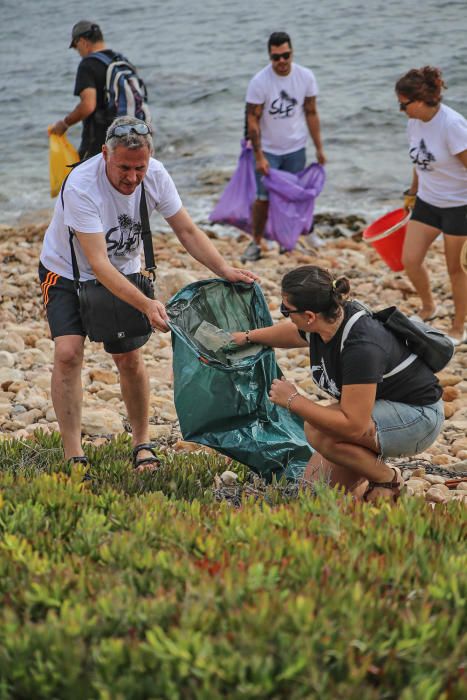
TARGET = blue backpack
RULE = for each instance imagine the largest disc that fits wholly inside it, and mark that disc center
(125, 91)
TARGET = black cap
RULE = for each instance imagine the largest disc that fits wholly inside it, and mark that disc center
(80, 28)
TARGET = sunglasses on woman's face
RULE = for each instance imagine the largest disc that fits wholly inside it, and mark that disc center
(286, 312)
(403, 105)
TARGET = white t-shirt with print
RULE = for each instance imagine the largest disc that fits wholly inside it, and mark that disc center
(283, 125)
(93, 205)
(442, 179)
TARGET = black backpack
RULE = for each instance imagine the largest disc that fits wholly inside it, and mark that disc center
(430, 345)
(125, 92)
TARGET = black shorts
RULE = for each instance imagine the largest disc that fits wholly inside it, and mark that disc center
(452, 221)
(62, 307)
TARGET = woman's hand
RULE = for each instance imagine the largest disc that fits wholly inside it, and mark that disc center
(239, 337)
(281, 390)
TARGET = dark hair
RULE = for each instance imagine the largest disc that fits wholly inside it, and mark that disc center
(94, 34)
(314, 289)
(423, 84)
(278, 38)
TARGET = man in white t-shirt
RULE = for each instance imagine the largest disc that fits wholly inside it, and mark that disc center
(100, 205)
(281, 112)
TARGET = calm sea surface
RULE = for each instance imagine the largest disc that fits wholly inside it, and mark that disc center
(197, 57)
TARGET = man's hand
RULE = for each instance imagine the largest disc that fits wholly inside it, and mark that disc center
(320, 157)
(58, 128)
(235, 274)
(262, 165)
(157, 315)
(280, 392)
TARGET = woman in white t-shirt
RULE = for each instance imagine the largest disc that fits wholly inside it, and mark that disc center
(438, 195)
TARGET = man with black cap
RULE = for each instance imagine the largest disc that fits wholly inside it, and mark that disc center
(87, 39)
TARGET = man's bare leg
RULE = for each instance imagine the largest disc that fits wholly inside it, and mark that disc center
(134, 383)
(67, 391)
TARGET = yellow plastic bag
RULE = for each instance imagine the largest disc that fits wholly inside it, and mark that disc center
(61, 154)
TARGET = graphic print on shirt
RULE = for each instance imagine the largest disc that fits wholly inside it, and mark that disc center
(129, 238)
(421, 156)
(283, 106)
(321, 378)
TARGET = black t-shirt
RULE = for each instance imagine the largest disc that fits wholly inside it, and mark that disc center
(369, 352)
(92, 73)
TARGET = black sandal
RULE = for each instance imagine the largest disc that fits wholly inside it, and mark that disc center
(150, 447)
(81, 459)
(394, 486)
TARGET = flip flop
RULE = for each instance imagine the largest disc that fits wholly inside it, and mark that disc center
(417, 317)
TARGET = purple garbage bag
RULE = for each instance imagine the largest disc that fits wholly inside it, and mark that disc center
(291, 202)
(291, 199)
(234, 206)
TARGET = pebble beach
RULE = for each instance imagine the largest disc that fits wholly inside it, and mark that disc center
(26, 350)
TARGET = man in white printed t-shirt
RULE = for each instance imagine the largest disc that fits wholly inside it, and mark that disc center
(281, 111)
(101, 207)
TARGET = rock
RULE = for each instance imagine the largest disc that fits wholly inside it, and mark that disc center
(458, 445)
(450, 393)
(171, 282)
(435, 479)
(103, 375)
(441, 459)
(462, 486)
(229, 478)
(7, 359)
(101, 421)
(183, 446)
(419, 471)
(8, 376)
(436, 495)
(12, 342)
(449, 410)
(448, 379)
(158, 432)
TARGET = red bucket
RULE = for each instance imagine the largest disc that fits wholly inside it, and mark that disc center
(386, 235)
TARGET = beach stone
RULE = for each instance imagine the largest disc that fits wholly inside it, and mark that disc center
(103, 375)
(448, 379)
(9, 376)
(459, 445)
(159, 432)
(184, 446)
(229, 478)
(450, 393)
(436, 495)
(101, 421)
(170, 283)
(7, 359)
(449, 410)
(12, 342)
(435, 479)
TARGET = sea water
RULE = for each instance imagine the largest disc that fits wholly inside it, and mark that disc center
(197, 57)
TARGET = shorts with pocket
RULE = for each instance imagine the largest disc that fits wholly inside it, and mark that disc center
(404, 430)
(63, 314)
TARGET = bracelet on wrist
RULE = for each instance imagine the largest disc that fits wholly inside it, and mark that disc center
(66, 123)
(408, 193)
(291, 398)
(247, 336)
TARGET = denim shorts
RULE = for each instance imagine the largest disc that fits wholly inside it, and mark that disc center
(405, 430)
(290, 162)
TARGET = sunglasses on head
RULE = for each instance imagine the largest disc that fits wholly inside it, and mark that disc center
(125, 129)
(286, 312)
(277, 56)
(403, 105)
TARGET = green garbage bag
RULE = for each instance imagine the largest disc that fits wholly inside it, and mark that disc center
(221, 396)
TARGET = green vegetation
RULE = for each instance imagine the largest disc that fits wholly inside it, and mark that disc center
(139, 587)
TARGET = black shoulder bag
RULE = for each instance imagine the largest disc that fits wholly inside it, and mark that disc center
(107, 318)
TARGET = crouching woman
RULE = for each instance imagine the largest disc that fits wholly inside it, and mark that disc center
(388, 403)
